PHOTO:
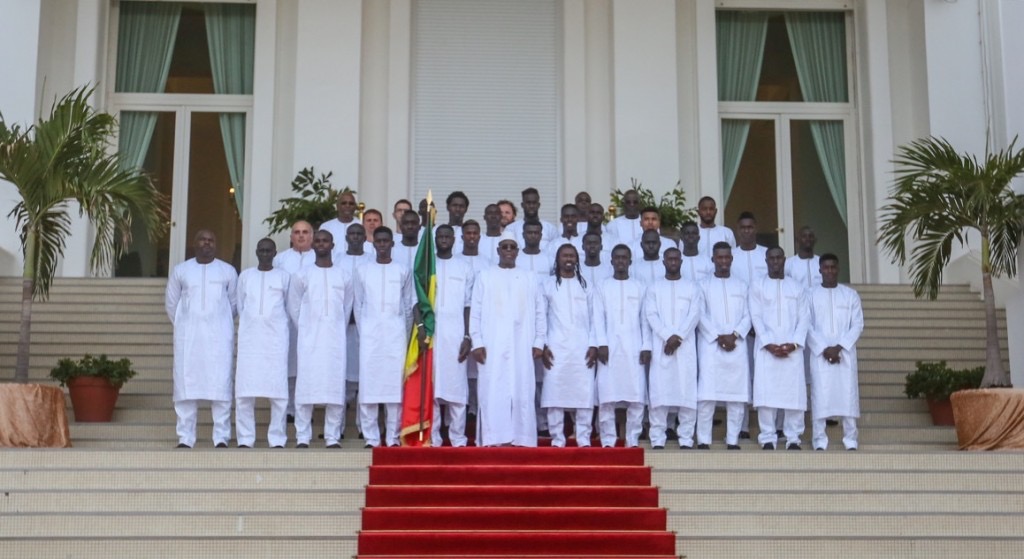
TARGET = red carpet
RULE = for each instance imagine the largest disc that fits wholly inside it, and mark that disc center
(512, 502)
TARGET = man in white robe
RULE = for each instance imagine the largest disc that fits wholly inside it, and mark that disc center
(404, 251)
(710, 232)
(300, 255)
(531, 206)
(570, 352)
(319, 303)
(626, 228)
(473, 252)
(454, 278)
(351, 258)
(724, 369)
(750, 265)
(695, 266)
(568, 219)
(624, 349)
(594, 267)
(533, 258)
(263, 342)
(384, 300)
(346, 207)
(780, 316)
(489, 236)
(200, 301)
(650, 220)
(673, 307)
(804, 266)
(837, 322)
(648, 265)
(505, 317)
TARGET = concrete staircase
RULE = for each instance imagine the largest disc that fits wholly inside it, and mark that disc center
(124, 491)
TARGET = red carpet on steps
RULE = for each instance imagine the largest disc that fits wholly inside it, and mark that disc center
(512, 502)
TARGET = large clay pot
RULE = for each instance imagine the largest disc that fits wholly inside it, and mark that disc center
(942, 412)
(93, 398)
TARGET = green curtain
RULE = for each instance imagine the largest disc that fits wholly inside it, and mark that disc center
(818, 40)
(740, 43)
(145, 43)
(231, 33)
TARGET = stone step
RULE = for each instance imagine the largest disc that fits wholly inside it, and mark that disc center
(195, 524)
(162, 479)
(99, 338)
(830, 502)
(954, 481)
(111, 311)
(785, 525)
(730, 547)
(250, 547)
(68, 328)
(182, 501)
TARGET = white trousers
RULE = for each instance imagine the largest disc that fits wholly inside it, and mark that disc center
(245, 421)
(706, 416)
(371, 427)
(188, 412)
(634, 423)
(333, 417)
(682, 419)
(792, 425)
(556, 424)
(819, 438)
(456, 420)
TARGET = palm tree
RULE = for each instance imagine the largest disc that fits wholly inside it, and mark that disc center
(937, 198)
(63, 158)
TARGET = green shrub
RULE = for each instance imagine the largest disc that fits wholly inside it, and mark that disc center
(315, 202)
(936, 381)
(671, 206)
(117, 372)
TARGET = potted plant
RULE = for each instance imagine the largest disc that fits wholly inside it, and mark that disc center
(94, 383)
(936, 382)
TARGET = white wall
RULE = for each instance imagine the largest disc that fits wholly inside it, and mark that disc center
(19, 41)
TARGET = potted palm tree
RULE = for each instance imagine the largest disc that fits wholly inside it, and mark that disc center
(939, 196)
(94, 384)
(67, 157)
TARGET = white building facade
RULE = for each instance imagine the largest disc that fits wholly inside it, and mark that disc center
(792, 109)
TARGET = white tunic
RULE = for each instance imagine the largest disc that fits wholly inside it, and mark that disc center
(541, 265)
(595, 274)
(292, 261)
(338, 230)
(749, 265)
(673, 308)
(647, 271)
(263, 334)
(696, 268)
(638, 251)
(836, 318)
(724, 375)
(623, 230)
(401, 254)
(804, 270)
(516, 230)
(553, 246)
(488, 248)
(351, 262)
(454, 293)
(780, 314)
(568, 307)
(200, 301)
(384, 299)
(620, 325)
(505, 317)
(711, 235)
(319, 303)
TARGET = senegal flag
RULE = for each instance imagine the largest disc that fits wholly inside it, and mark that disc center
(418, 381)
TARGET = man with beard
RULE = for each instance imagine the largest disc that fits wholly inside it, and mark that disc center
(711, 233)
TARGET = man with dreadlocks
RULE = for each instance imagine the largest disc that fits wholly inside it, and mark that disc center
(570, 349)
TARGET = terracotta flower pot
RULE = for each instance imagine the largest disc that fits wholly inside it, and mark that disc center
(93, 398)
(942, 412)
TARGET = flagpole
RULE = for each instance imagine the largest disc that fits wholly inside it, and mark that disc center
(428, 234)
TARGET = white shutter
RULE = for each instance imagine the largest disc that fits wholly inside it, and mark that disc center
(485, 101)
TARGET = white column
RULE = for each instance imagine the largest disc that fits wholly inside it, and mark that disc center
(600, 125)
(646, 105)
(19, 33)
(327, 76)
(708, 130)
(574, 99)
(259, 198)
(400, 106)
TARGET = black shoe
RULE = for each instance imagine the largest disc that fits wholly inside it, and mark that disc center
(182, 445)
(703, 447)
(290, 418)
(360, 436)
(745, 435)
(831, 422)
(544, 433)
(277, 446)
(793, 446)
(684, 447)
(671, 435)
(852, 449)
(819, 449)
(320, 436)
(335, 445)
(221, 445)
(732, 447)
(244, 446)
(302, 445)
(768, 446)
(779, 433)
(657, 447)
